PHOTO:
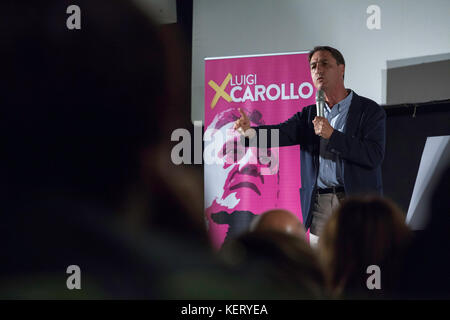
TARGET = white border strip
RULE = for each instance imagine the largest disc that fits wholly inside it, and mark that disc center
(255, 55)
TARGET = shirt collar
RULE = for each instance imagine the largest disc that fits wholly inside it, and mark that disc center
(343, 104)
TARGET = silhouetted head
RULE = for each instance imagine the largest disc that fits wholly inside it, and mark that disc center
(284, 261)
(279, 220)
(363, 231)
(87, 114)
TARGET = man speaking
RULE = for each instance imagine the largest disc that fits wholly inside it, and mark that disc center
(340, 152)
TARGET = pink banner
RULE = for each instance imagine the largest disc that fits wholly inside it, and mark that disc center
(270, 88)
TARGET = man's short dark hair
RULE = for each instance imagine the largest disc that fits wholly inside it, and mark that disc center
(334, 52)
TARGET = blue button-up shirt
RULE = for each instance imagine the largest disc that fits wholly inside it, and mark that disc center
(329, 163)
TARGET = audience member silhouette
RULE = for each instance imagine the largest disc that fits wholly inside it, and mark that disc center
(279, 220)
(276, 251)
(364, 231)
(86, 172)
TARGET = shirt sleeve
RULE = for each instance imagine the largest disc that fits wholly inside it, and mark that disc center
(289, 131)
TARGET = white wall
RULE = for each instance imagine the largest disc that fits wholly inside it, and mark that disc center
(409, 29)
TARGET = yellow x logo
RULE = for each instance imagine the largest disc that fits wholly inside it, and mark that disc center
(220, 91)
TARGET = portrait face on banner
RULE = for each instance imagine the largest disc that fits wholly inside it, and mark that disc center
(240, 177)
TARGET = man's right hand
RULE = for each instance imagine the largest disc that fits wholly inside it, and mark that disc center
(243, 123)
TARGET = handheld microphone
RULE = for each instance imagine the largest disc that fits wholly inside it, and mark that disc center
(320, 103)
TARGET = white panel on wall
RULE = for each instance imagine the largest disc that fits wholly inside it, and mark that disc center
(434, 161)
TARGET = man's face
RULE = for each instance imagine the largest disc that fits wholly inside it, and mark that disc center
(325, 72)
